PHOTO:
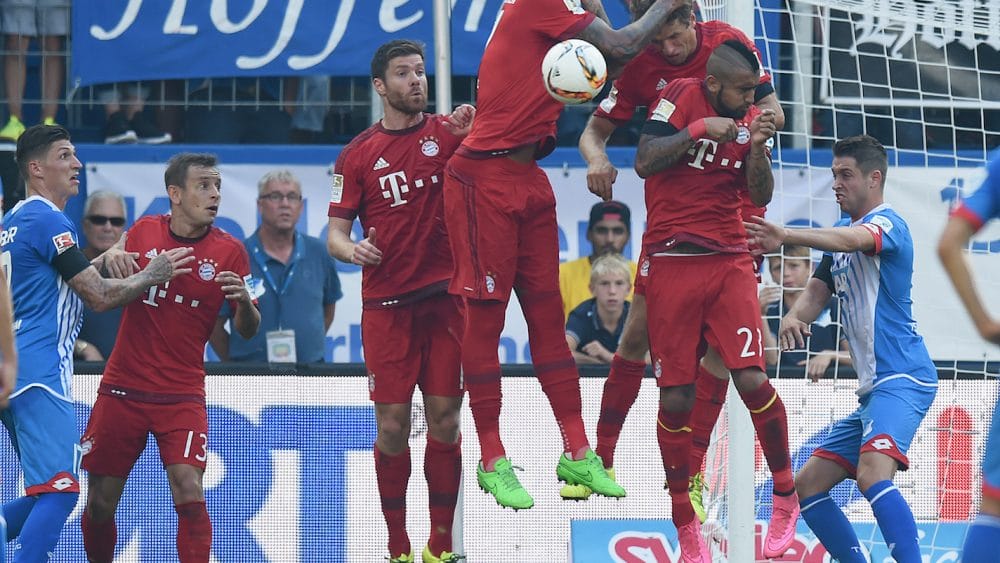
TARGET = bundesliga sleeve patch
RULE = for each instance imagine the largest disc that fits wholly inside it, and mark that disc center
(337, 190)
(574, 6)
(664, 109)
(63, 242)
(884, 222)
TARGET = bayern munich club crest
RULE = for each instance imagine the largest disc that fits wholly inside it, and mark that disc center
(429, 146)
(206, 268)
(743, 135)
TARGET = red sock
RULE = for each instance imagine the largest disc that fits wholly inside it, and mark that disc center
(443, 470)
(620, 391)
(710, 395)
(674, 437)
(554, 365)
(194, 532)
(769, 420)
(393, 474)
(99, 539)
(481, 371)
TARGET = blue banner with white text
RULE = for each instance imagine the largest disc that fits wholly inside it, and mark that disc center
(125, 40)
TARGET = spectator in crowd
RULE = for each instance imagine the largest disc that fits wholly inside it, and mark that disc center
(103, 224)
(126, 121)
(241, 110)
(608, 231)
(296, 283)
(22, 20)
(594, 326)
(827, 345)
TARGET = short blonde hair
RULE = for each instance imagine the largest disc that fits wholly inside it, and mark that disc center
(610, 264)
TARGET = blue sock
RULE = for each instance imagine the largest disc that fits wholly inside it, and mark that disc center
(41, 530)
(895, 520)
(834, 531)
(982, 541)
(15, 513)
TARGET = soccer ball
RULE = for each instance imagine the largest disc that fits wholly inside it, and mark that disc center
(574, 71)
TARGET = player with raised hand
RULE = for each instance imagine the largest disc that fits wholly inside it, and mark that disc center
(50, 280)
(868, 263)
(390, 177)
(154, 382)
(966, 220)
(500, 212)
(703, 147)
(681, 49)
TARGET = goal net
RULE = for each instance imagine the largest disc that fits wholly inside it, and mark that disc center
(924, 78)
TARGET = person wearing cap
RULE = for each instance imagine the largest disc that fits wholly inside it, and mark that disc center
(608, 231)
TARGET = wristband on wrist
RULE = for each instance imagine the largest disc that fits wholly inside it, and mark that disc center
(697, 129)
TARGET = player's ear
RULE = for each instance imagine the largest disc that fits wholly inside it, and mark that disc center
(379, 86)
(174, 193)
(713, 84)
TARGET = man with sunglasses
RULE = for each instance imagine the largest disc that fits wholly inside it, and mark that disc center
(608, 232)
(294, 280)
(103, 225)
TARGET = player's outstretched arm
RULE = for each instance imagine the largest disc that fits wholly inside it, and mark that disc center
(596, 7)
(341, 247)
(102, 294)
(954, 240)
(459, 122)
(116, 262)
(622, 45)
(795, 325)
(8, 367)
(659, 152)
(601, 174)
(246, 317)
(767, 237)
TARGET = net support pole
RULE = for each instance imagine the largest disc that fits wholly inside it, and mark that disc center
(442, 55)
(741, 467)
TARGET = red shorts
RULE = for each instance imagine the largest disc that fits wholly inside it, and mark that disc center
(416, 343)
(501, 218)
(118, 428)
(641, 275)
(694, 301)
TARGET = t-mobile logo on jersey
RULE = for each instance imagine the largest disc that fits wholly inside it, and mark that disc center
(394, 186)
(704, 151)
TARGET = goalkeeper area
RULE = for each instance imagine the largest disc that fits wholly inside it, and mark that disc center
(291, 475)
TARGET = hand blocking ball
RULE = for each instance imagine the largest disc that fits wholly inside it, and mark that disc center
(574, 71)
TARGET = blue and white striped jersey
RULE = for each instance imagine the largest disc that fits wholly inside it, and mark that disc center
(876, 309)
(47, 312)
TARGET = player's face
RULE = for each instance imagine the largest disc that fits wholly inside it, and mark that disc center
(60, 169)
(199, 198)
(793, 274)
(851, 186)
(608, 235)
(610, 291)
(405, 84)
(676, 41)
(735, 94)
(280, 205)
(99, 224)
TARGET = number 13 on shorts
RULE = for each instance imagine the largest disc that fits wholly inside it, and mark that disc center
(197, 445)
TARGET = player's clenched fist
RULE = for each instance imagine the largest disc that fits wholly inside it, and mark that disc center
(763, 127)
(721, 129)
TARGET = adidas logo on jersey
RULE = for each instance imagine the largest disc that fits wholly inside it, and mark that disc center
(151, 254)
(380, 164)
(661, 84)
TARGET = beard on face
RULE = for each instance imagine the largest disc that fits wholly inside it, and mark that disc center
(405, 103)
(726, 111)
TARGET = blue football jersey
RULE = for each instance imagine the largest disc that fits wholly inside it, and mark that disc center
(876, 309)
(47, 313)
(984, 204)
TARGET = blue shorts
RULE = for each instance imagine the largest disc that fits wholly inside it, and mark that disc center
(44, 434)
(885, 422)
(991, 459)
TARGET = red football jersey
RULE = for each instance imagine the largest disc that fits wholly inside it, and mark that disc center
(698, 199)
(393, 181)
(512, 107)
(645, 76)
(161, 341)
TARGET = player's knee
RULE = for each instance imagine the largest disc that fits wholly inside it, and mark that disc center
(804, 486)
(634, 344)
(393, 433)
(186, 486)
(748, 380)
(445, 427)
(100, 506)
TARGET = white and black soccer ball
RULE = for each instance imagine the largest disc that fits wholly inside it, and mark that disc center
(574, 71)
